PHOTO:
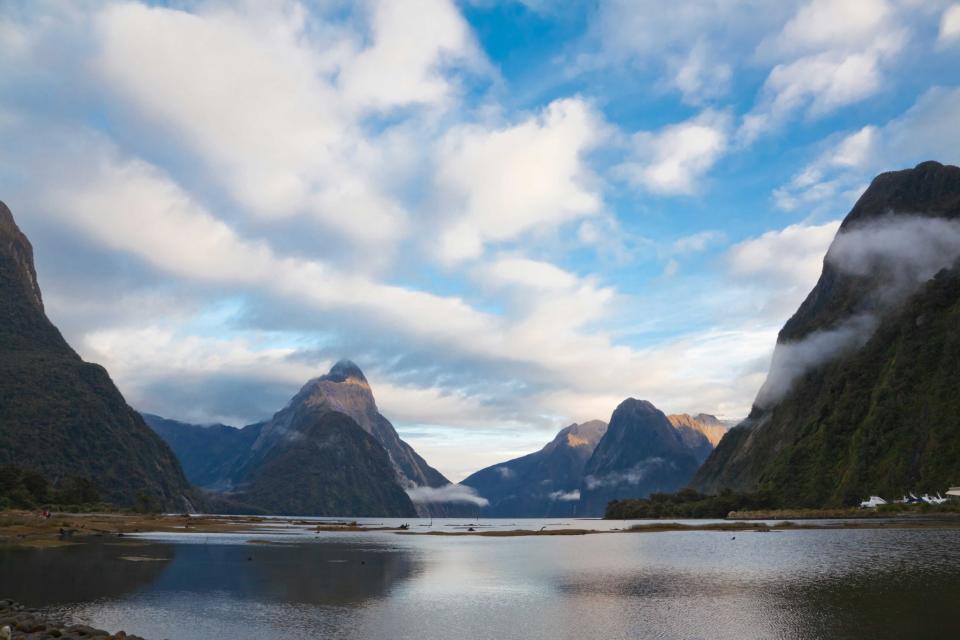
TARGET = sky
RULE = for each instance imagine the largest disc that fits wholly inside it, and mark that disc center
(510, 215)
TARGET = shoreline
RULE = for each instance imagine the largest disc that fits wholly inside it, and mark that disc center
(29, 530)
(17, 621)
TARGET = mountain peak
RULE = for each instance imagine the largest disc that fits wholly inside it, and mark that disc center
(344, 371)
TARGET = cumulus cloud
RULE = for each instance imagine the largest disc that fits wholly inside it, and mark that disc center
(782, 265)
(496, 183)
(929, 130)
(950, 25)
(450, 493)
(565, 496)
(276, 115)
(675, 158)
(831, 54)
(692, 47)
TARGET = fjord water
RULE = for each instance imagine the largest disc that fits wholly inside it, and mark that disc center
(891, 583)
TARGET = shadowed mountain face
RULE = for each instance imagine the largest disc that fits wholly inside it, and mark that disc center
(62, 416)
(861, 397)
(208, 453)
(542, 484)
(328, 452)
(640, 453)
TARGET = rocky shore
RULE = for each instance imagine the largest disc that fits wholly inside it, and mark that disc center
(17, 621)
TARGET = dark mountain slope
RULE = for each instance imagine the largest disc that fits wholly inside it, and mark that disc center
(62, 416)
(640, 453)
(878, 418)
(542, 484)
(208, 453)
(330, 468)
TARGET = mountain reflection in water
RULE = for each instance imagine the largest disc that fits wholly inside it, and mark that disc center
(793, 584)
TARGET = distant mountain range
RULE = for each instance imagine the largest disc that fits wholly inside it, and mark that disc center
(328, 452)
(586, 465)
(641, 453)
(542, 484)
(64, 417)
(862, 395)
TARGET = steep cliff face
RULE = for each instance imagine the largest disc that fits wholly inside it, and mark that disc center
(542, 484)
(266, 467)
(345, 390)
(701, 432)
(640, 453)
(858, 399)
(62, 416)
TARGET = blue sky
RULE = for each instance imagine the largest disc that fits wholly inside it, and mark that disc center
(511, 215)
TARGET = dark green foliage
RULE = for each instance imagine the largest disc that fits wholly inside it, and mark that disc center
(25, 489)
(687, 503)
(63, 417)
(882, 420)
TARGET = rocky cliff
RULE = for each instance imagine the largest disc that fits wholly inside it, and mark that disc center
(62, 416)
(860, 398)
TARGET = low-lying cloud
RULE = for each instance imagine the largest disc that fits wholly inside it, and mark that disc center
(450, 493)
(897, 252)
(565, 496)
(634, 475)
(894, 255)
(792, 359)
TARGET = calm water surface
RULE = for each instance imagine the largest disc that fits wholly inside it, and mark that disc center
(793, 584)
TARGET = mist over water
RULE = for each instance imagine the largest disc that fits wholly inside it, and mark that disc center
(792, 584)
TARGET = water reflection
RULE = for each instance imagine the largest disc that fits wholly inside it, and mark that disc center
(796, 584)
(80, 573)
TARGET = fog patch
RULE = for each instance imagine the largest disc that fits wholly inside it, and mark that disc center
(450, 493)
(896, 254)
(565, 496)
(632, 476)
(792, 359)
(505, 472)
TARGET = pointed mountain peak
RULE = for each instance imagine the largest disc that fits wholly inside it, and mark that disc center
(345, 371)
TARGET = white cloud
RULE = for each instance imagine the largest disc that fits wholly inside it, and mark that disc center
(929, 130)
(699, 76)
(271, 99)
(784, 265)
(692, 46)
(696, 242)
(451, 493)
(831, 54)
(565, 496)
(674, 159)
(495, 184)
(950, 25)
(411, 44)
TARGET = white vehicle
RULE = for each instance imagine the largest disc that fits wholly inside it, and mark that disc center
(872, 503)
